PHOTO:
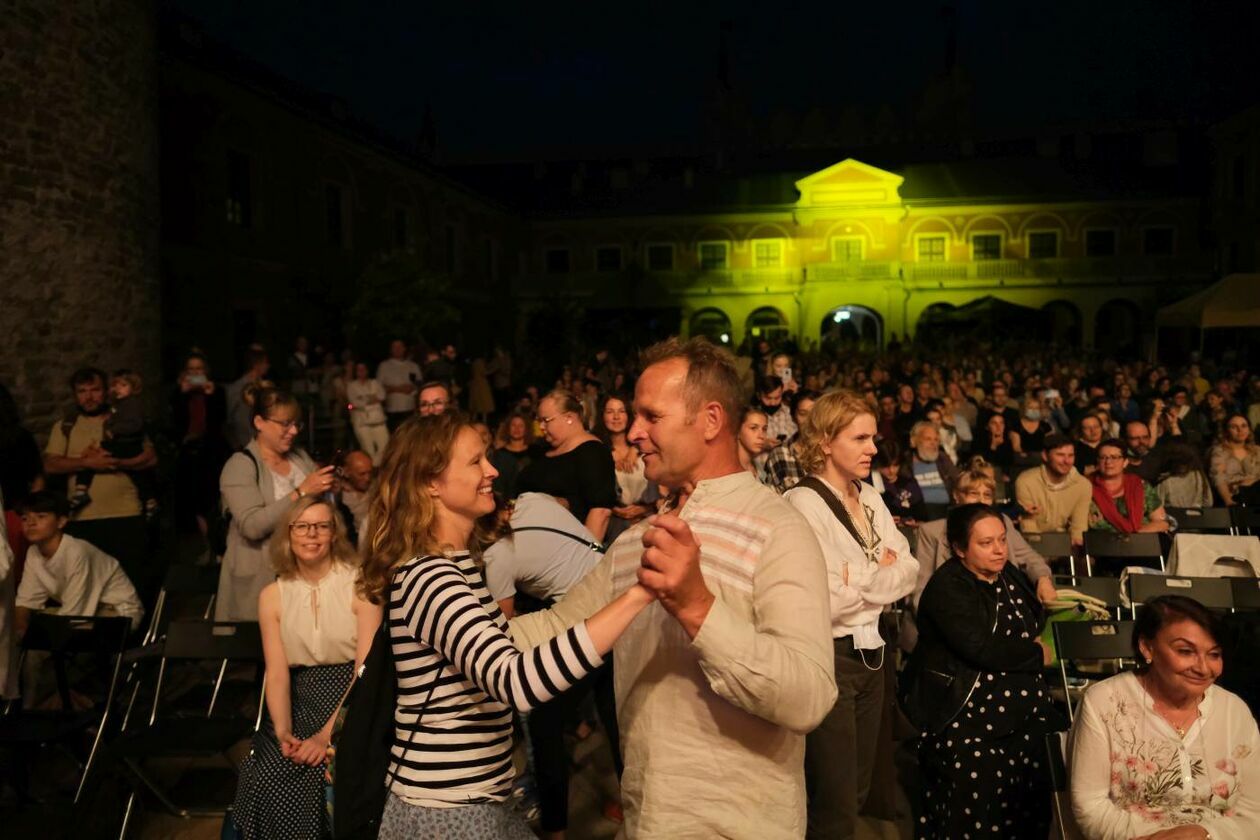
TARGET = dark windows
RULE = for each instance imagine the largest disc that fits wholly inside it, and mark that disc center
(1100, 242)
(1043, 245)
(931, 249)
(986, 246)
(240, 201)
(1157, 241)
(714, 256)
(608, 258)
(660, 257)
(557, 260)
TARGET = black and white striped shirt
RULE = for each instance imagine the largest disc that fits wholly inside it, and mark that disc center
(460, 677)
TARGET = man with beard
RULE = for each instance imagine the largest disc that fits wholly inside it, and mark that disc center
(780, 426)
(113, 520)
(929, 464)
(1144, 461)
(718, 682)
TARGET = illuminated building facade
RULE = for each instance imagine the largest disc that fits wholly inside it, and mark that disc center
(857, 251)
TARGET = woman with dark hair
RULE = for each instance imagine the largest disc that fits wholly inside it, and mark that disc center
(1182, 483)
(315, 630)
(259, 484)
(974, 685)
(1164, 753)
(459, 674)
(577, 469)
(636, 496)
(198, 410)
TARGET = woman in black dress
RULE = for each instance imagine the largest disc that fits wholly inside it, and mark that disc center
(578, 469)
(975, 685)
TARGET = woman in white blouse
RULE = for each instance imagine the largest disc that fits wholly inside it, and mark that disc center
(1164, 753)
(366, 399)
(869, 566)
(315, 630)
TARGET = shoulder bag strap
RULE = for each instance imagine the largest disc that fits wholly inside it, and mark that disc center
(592, 545)
(837, 509)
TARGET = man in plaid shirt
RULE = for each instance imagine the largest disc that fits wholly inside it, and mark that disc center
(781, 470)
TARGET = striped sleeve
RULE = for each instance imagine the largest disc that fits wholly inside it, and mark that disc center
(440, 609)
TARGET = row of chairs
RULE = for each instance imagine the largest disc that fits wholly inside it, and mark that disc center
(184, 725)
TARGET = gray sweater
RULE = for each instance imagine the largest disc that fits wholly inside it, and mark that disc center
(250, 498)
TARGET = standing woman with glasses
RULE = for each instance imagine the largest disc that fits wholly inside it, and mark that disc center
(578, 469)
(259, 485)
(869, 566)
(315, 631)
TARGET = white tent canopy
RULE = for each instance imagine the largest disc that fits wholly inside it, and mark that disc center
(1233, 301)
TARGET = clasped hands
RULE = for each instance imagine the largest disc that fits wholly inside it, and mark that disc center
(669, 571)
(312, 751)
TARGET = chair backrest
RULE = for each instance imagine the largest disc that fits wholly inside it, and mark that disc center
(1246, 518)
(1051, 544)
(932, 512)
(191, 579)
(1213, 593)
(1202, 520)
(61, 634)
(1084, 640)
(1105, 589)
(218, 640)
(1245, 592)
(1108, 544)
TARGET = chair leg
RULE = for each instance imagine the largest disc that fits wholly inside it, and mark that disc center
(87, 765)
(126, 820)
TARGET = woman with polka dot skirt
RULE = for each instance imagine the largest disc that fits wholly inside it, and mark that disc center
(975, 685)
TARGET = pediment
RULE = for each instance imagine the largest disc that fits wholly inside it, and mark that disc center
(849, 182)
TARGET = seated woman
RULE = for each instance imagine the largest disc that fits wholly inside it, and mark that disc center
(315, 631)
(974, 685)
(1182, 483)
(1235, 463)
(975, 485)
(1122, 502)
(459, 674)
(1164, 753)
(997, 444)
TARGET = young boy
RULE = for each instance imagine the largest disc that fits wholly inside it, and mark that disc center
(77, 574)
(124, 438)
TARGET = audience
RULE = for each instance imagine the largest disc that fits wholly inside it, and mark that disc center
(928, 465)
(752, 438)
(1164, 752)
(1235, 463)
(1055, 497)
(1120, 501)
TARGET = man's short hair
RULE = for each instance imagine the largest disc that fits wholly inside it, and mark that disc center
(768, 384)
(711, 374)
(435, 383)
(1116, 444)
(1054, 441)
(86, 375)
(803, 396)
(44, 501)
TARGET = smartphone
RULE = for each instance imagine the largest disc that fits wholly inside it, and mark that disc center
(196, 379)
(786, 376)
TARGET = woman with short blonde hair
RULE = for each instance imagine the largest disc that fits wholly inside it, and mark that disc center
(315, 631)
(869, 565)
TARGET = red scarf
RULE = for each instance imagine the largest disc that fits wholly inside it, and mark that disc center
(1134, 501)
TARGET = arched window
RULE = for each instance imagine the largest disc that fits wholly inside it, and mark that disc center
(853, 326)
(767, 323)
(713, 324)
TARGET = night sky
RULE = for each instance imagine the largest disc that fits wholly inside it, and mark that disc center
(518, 80)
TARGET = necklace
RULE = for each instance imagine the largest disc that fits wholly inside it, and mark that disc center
(1170, 717)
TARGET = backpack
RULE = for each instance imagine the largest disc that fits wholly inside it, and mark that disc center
(218, 527)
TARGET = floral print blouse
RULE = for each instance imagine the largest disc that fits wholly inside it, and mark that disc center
(1133, 775)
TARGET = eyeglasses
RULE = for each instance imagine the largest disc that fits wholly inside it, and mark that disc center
(302, 529)
(286, 425)
(1102, 458)
(439, 403)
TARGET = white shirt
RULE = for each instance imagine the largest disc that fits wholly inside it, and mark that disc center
(540, 563)
(365, 412)
(81, 577)
(393, 372)
(856, 605)
(1132, 775)
(286, 484)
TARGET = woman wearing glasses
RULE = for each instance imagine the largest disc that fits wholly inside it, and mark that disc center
(315, 630)
(578, 469)
(259, 485)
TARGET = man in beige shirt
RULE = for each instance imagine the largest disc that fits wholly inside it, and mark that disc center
(1055, 497)
(718, 682)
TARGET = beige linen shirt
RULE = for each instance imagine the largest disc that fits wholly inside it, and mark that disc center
(113, 493)
(713, 729)
(1060, 507)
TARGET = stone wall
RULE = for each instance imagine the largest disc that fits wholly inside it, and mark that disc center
(78, 197)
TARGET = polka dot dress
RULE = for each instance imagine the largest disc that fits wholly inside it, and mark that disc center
(985, 775)
(277, 799)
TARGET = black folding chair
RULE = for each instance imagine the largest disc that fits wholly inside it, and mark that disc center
(911, 535)
(1053, 545)
(1200, 520)
(61, 637)
(1144, 546)
(1105, 589)
(181, 735)
(1246, 520)
(183, 580)
(1245, 592)
(1213, 593)
(1090, 641)
(934, 511)
(1060, 785)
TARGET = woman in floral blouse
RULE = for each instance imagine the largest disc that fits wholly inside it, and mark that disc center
(1164, 753)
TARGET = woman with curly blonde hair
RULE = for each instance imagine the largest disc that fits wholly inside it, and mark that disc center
(315, 630)
(459, 674)
(869, 565)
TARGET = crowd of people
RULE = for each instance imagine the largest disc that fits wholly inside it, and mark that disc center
(708, 550)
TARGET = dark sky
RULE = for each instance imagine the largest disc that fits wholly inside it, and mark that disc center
(516, 79)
